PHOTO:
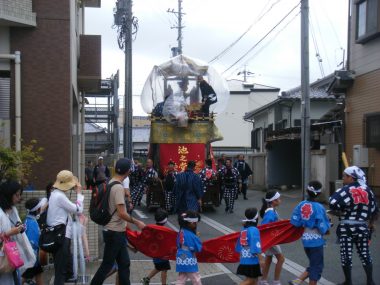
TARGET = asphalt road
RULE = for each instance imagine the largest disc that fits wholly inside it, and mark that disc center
(216, 222)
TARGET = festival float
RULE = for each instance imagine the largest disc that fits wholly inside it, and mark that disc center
(183, 96)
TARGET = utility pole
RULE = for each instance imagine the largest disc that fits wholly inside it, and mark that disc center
(305, 96)
(179, 27)
(125, 22)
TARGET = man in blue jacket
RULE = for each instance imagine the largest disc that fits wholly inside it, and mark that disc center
(188, 190)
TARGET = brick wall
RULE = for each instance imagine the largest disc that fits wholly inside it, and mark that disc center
(46, 87)
(361, 99)
(92, 228)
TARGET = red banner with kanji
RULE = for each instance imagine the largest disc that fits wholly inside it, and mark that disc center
(159, 241)
(181, 154)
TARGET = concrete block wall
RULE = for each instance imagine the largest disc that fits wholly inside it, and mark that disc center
(92, 228)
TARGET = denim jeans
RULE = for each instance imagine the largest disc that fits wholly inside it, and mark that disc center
(115, 249)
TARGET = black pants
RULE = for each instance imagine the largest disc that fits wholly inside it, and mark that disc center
(244, 187)
(115, 248)
(63, 263)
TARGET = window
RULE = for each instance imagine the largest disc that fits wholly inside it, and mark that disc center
(372, 130)
(256, 139)
(367, 20)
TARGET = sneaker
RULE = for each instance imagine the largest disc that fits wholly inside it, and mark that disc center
(295, 282)
(263, 282)
(145, 281)
(278, 282)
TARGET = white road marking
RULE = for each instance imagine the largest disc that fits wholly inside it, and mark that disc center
(140, 214)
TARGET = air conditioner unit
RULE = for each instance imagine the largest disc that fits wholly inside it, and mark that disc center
(360, 156)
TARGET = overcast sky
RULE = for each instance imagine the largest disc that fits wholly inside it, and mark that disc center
(213, 25)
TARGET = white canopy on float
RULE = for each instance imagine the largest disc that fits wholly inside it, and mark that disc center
(168, 77)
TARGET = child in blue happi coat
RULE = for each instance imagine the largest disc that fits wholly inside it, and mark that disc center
(188, 243)
(269, 214)
(312, 216)
(34, 207)
(160, 265)
(249, 247)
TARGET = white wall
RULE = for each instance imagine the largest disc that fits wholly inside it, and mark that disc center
(236, 131)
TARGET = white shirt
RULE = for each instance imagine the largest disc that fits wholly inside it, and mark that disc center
(61, 208)
(126, 183)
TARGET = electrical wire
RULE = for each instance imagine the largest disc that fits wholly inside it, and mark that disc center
(265, 45)
(315, 20)
(223, 52)
(263, 38)
(317, 54)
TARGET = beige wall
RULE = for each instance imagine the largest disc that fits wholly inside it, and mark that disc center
(363, 98)
(363, 58)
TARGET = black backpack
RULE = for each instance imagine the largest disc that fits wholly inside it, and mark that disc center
(99, 207)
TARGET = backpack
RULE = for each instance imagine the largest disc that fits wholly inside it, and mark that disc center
(99, 207)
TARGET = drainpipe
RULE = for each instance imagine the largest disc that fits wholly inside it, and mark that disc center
(17, 58)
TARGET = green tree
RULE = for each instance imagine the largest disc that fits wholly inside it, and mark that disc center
(18, 164)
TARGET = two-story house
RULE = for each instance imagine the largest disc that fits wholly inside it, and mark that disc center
(362, 107)
(277, 130)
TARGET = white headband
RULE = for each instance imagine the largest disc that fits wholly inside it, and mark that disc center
(252, 220)
(191, 220)
(356, 173)
(312, 189)
(163, 221)
(40, 204)
(275, 197)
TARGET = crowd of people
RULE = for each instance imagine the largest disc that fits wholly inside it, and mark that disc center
(354, 203)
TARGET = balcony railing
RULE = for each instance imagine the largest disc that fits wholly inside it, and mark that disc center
(17, 13)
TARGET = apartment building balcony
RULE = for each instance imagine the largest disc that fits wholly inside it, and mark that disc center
(17, 13)
(90, 69)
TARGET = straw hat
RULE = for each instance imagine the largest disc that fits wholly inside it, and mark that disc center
(65, 180)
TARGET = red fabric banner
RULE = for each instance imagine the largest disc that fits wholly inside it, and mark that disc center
(181, 154)
(157, 241)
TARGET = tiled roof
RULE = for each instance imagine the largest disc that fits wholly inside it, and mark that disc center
(93, 128)
(318, 89)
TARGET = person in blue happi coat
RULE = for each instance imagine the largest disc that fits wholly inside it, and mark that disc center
(188, 190)
(188, 244)
(312, 216)
(249, 247)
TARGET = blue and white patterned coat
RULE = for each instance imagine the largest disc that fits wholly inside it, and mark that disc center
(249, 245)
(312, 216)
(188, 244)
(270, 216)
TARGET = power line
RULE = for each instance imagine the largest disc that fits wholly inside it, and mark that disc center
(314, 16)
(223, 52)
(256, 44)
(268, 43)
(317, 54)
